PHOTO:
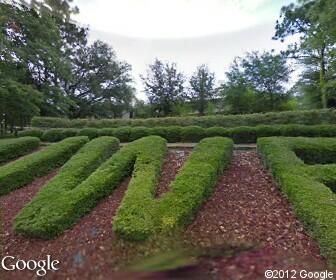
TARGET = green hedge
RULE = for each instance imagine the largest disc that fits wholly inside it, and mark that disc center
(47, 220)
(173, 134)
(306, 185)
(140, 214)
(24, 171)
(33, 132)
(58, 134)
(14, 148)
(62, 213)
(311, 117)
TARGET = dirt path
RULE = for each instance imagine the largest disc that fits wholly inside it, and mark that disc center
(247, 208)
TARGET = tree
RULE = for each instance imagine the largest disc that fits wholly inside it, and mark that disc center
(311, 21)
(100, 84)
(202, 88)
(164, 86)
(256, 83)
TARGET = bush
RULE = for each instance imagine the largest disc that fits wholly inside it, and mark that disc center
(173, 134)
(14, 148)
(123, 133)
(312, 117)
(63, 211)
(107, 132)
(89, 132)
(34, 132)
(192, 133)
(42, 220)
(306, 185)
(194, 182)
(24, 171)
(49, 122)
(138, 132)
(58, 134)
(140, 214)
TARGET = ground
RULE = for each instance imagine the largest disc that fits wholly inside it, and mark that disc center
(247, 220)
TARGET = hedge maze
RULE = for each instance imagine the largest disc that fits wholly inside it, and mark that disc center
(306, 171)
(94, 165)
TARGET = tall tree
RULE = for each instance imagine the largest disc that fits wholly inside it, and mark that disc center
(202, 88)
(256, 83)
(164, 86)
(310, 20)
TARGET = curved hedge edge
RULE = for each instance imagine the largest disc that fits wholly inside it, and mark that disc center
(313, 202)
(141, 215)
(64, 212)
(22, 172)
(133, 220)
(37, 218)
(14, 148)
(33, 132)
(195, 182)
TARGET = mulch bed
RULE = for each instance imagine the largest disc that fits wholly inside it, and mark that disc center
(245, 208)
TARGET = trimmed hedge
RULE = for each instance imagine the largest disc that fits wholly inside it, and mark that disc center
(14, 148)
(19, 173)
(33, 132)
(141, 215)
(63, 212)
(173, 134)
(58, 134)
(310, 117)
(306, 186)
(41, 218)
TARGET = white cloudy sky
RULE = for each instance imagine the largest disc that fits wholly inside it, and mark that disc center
(189, 32)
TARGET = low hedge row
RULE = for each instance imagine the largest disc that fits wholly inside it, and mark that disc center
(61, 213)
(291, 117)
(42, 218)
(140, 214)
(13, 148)
(306, 185)
(33, 132)
(19, 173)
(195, 133)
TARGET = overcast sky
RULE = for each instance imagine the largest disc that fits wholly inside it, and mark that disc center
(188, 32)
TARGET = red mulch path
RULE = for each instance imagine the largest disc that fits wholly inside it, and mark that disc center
(246, 207)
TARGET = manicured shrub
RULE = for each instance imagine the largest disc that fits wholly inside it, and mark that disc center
(106, 132)
(158, 131)
(40, 219)
(306, 186)
(33, 132)
(192, 133)
(311, 117)
(123, 133)
(173, 134)
(243, 134)
(194, 182)
(89, 132)
(50, 122)
(140, 214)
(138, 132)
(14, 148)
(19, 173)
(147, 154)
(53, 135)
(217, 131)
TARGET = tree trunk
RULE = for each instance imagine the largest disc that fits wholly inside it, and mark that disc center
(323, 79)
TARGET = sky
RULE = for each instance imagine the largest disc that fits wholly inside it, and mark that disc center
(188, 32)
